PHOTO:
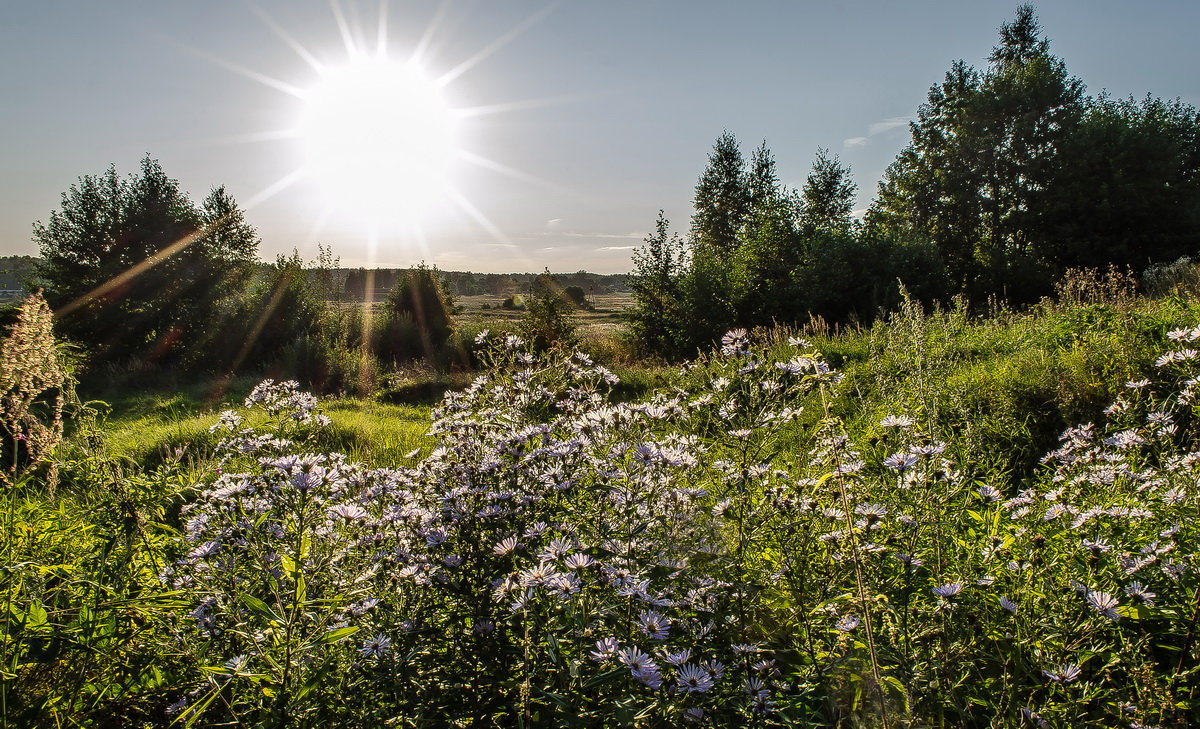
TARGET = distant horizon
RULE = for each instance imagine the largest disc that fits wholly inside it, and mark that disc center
(579, 121)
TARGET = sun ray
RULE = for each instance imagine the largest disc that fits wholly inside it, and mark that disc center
(508, 106)
(496, 45)
(426, 41)
(381, 29)
(274, 188)
(477, 215)
(514, 173)
(339, 18)
(304, 54)
(249, 73)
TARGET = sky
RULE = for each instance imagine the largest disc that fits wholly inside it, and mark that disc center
(535, 135)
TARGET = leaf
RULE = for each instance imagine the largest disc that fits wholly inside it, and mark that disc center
(336, 635)
(260, 608)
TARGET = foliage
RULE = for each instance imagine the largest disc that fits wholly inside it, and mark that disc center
(135, 269)
(35, 383)
(548, 318)
(416, 321)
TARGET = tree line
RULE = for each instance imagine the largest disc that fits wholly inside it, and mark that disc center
(1012, 176)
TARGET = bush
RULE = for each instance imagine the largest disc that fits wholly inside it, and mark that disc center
(416, 320)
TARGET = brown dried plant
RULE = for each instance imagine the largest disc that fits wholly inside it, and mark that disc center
(35, 383)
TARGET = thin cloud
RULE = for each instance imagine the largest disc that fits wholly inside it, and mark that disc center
(617, 236)
(879, 127)
(617, 248)
(888, 124)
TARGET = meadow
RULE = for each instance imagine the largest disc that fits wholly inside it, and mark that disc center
(946, 518)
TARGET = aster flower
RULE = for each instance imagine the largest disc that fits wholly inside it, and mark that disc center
(896, 421)
(693, 679)
(847, 624)
(950, 589)
(1063, 673)
(1008, 605)
(654, 624)
(1103, 603)
(606, 648)
(376, 646)
(1141, 592)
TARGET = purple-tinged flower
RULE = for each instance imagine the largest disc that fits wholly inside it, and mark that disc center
(1103, 603)
(504, 546)
(1063, 673)
(693, 679)
(1008, 605)
(349, 512)
(950, 589)
(847, 624)
(1141, 592)
(579, 561)
(680, 658)
(896, 421)
(695, 714)
(376, 646)
(606, 648)
(654, 624)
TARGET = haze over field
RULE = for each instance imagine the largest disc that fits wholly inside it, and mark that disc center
(581, 119)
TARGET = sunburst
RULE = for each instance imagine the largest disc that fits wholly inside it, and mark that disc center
(378, 133)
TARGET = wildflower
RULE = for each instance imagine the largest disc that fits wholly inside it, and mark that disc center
(1141, 592)
(349, 512)
(693, 678)
(901, 461)
(1137, 384)
(504, 546)
(482, 336)
(1032, 716)
(989, 493)
(744, 648)
(1103, 603)
(654, 624)
(896, 421)
(579, 561)
(605, 648)
(376, 646)
(695, 714)
(950, 589)
(871, 511)
(1063, 673)
(1008, 605)
(847, 624)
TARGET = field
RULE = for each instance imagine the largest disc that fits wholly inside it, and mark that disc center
(806, 528)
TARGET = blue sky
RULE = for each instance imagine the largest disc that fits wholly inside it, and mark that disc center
(604, 112)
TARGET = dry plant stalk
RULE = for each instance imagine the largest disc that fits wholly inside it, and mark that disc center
(34, 381)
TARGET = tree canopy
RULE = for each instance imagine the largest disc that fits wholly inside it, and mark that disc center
(134, 269)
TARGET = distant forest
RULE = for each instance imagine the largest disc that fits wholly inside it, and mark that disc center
(20, 272)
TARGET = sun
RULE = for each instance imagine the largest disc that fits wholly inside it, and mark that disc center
(379, 138)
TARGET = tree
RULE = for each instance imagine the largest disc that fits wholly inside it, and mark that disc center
(722, 200)
(827, 198)
(984, 151)
(133, 268)
(417, 319)
(1126, 190)
(548, 314)
(658, 317)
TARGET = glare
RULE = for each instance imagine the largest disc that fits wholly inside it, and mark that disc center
(380, 140)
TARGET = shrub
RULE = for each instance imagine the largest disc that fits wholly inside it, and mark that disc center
(35, 383)
(417, 319)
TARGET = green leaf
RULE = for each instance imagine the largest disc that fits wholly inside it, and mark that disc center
(336, 635)
(260, 608)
